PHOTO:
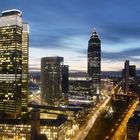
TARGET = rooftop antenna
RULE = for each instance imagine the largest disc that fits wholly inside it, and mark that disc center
(94, 33)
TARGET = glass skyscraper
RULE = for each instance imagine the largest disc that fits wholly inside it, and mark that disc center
(51, 79)
(13, 63)
(65, 78)
(94, 63)
(25, 48)
(129, 78)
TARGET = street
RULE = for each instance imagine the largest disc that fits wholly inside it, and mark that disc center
(120, 132)
(84, 130)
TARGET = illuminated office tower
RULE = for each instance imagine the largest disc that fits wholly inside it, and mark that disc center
(25, 48)
(13, 63)
(94, 63)
(51, 79)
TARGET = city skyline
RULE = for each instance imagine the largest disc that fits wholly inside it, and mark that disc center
(56, 104)
(59, 28)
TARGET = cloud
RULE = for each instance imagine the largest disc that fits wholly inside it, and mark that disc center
(34, 67)
(64, 27)
(131, 54)
(120, 33)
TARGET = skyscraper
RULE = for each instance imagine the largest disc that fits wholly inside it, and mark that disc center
(126, 77)
(129, 78)
(94, 63)
(13, 63)
(51, 79)
(65, 78)
(25, 50)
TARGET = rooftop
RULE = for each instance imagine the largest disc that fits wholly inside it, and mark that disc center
(60, 119)
(12, 12)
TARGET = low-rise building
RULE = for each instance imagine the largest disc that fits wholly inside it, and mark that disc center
(13, 129)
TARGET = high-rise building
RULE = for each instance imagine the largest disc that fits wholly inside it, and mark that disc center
(94, 63)
(65, 78)
(13, 63)
(132, 78)
(125, 74)
(25, 50)
(129, 78)
(51, 79)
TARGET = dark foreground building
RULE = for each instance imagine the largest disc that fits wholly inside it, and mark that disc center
(31, 129)
(133, 128)
(133, 125)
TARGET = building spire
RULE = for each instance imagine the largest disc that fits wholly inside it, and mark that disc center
(94, 33)
(94, 29)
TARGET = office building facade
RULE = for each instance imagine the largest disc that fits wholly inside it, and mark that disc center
(94, 63)
(133, 128)
(132, 78)
(129, 78)
(13, 63)
(65, 78)
(25, 63)
(125, 79)
(51, 79)
(18, 129)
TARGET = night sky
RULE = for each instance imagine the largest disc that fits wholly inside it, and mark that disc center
(63, 28)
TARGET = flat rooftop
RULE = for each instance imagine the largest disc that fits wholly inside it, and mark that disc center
(12, 12)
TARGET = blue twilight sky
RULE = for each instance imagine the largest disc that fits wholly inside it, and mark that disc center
(63, 28)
